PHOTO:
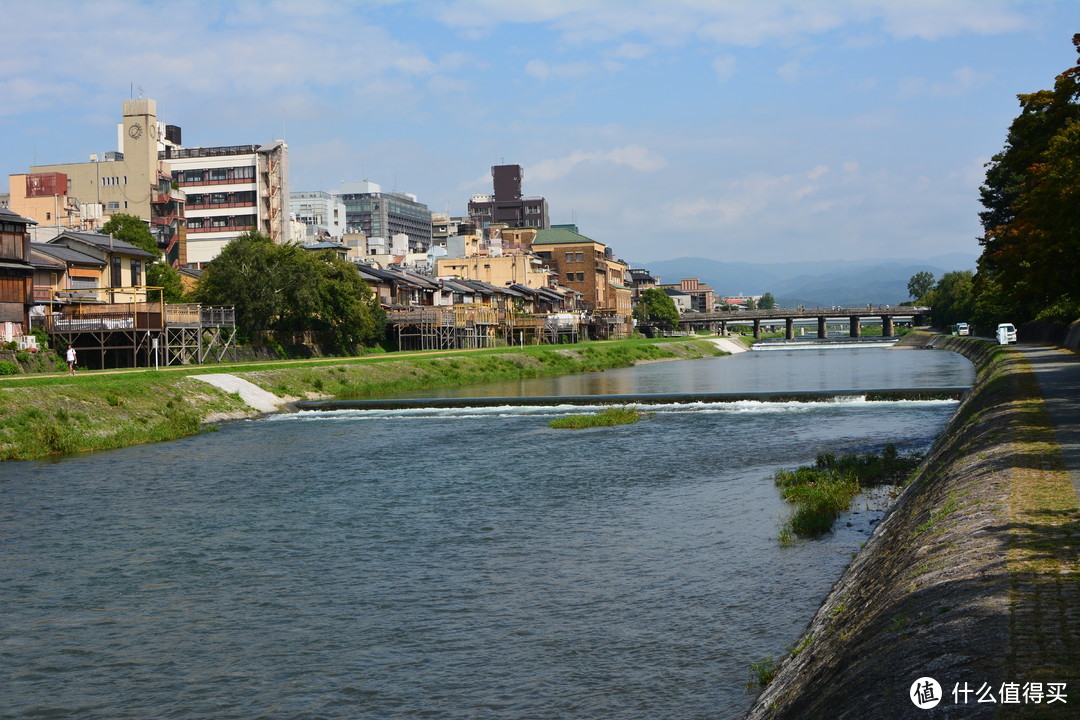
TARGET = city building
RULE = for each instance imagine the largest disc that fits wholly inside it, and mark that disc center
(444, 227)
(521, 268)
(640, 280)
(195, 200)
(379, 214)
(231, 189)
(323, 214)
(134, 180)
(16, 275)
(702, 297)
(507, 205)
(590, 268)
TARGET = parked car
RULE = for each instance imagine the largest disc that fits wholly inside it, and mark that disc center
(1006, 333)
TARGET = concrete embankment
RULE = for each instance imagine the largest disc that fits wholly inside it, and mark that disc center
(970, 579)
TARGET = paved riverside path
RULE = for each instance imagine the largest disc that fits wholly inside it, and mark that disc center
(1058, 374)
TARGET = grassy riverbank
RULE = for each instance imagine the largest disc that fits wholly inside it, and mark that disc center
(971, 577)
(57, 414)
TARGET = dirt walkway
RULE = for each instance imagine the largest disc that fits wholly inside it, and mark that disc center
(1058, 374)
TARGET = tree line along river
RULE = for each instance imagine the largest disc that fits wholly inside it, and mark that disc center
(455, 563)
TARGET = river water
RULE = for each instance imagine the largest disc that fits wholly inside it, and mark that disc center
(466, 563)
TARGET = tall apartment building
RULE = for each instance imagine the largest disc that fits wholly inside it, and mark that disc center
(132, 180)
(507, 205)
(379, 214)
(229, 190)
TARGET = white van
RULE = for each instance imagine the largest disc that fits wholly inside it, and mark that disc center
(1006, 333)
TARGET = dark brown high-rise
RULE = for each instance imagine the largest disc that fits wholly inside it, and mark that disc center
(508, 206)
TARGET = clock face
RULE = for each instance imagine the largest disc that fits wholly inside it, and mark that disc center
(135, 131)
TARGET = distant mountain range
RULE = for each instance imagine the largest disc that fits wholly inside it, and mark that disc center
(812, 284)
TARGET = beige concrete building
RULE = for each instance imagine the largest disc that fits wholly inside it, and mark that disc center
(522, 269)
(134, 180)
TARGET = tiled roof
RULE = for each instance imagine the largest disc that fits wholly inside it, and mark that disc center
(560, 236)
(66, 254)
(7, 215)
(105, 242)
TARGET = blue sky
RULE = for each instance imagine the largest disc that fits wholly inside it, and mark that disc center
(740, 130)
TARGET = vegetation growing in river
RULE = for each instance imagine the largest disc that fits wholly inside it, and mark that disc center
(823, 490)
(605, 418)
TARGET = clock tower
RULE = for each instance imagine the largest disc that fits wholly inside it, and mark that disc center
(138, 138)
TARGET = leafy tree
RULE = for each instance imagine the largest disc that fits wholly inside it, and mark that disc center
(768, 302)
(656, 307)
(1032, 217)
(287, 288)
(132, 230)
(920, 284)
(162, 275)
(952, 299)
(751, 304)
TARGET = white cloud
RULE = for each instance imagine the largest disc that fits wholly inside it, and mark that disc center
(790, 71)
(545, 71)
(960, 82)
(724, 67)
(633, 156)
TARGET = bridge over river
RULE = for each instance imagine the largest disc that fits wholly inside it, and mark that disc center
(854, 316)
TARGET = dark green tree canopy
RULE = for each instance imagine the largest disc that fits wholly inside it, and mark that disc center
(286, 288)
(768, 302)
(655, 307)
(1032, 220)
(132, 230)
(920, 284)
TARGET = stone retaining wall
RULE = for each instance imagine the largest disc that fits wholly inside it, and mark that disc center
(929, 593)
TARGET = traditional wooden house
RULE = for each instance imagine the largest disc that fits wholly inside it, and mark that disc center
(16, 275)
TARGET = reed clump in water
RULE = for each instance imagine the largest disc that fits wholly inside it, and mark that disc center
(823, 490)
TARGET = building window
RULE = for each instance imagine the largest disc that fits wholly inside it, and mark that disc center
(193, 176)
(117, 278)
(114, 204)
(219, 174)
(136, 272)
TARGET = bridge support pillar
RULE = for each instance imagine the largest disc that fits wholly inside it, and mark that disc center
(855, 328)
(723, 328)
(789, 328)
(822, 327)
(886, 326)
(757, 329)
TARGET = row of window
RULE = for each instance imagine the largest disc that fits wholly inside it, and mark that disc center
(247, 197)
(208, 175)
(114, 180)
(222, 222)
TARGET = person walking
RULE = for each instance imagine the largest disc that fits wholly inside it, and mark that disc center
(71, 359)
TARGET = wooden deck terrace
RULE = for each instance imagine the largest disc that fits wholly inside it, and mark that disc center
(136, 334)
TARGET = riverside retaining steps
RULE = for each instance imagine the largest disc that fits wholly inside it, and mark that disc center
(970, 579)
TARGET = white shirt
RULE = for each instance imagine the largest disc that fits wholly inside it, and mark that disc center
(71, 355)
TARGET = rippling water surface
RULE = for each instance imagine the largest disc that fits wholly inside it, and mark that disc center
(445, 564)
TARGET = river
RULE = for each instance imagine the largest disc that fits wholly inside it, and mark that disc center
(466, 563)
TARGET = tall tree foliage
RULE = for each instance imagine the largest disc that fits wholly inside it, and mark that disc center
(920, 284)
(286, 288)
(1031, 223)
(655, 307)
(952, 299)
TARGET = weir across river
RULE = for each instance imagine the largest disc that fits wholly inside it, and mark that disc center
(888, 315)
